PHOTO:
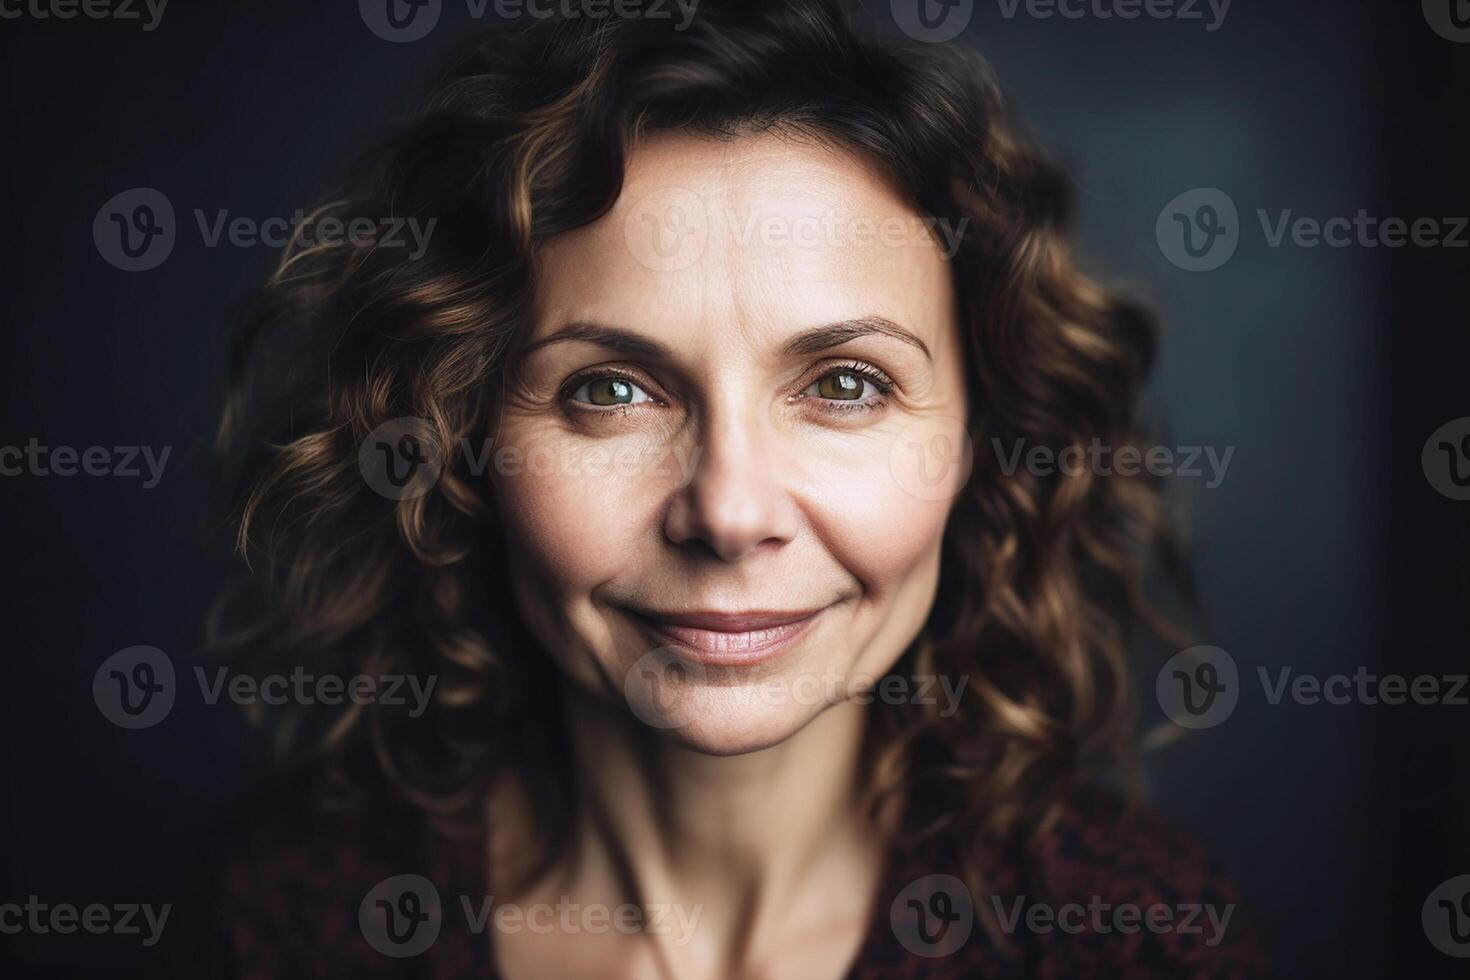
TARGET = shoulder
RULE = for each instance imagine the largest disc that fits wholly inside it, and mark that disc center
(1119, 891)
(282, 884)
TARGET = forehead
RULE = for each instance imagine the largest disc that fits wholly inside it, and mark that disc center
(747, 238)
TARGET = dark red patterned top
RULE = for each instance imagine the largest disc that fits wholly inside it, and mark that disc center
(1111, 892)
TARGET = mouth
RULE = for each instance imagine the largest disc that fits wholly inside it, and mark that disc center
(728, 639)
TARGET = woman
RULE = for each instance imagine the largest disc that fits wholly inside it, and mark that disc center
(679, 468)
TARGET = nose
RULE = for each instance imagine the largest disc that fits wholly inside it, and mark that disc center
(735, 502)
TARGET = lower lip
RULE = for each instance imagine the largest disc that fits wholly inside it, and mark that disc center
(716, 648)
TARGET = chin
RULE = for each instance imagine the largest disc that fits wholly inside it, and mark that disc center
(700, 713)
(740, 733)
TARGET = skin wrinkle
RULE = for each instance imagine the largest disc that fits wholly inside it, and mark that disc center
(789, 507)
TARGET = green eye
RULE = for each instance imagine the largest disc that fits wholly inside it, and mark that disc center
(610, 392)
(840, 386)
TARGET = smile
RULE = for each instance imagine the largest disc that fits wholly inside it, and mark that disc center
(728, 638)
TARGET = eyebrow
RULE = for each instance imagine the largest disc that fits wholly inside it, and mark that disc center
(834, 334)
(613, 338)
(807, 342)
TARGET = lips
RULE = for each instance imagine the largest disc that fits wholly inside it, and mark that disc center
(728, 638)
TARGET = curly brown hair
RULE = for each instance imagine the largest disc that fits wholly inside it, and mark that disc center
(524, 136)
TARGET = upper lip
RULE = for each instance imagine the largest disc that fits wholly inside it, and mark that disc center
(718, 621)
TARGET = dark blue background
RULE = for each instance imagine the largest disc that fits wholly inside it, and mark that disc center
(1324, 548)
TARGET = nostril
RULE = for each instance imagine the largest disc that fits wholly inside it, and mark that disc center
(728, 518)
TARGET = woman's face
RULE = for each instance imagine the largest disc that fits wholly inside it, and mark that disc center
(727, 461)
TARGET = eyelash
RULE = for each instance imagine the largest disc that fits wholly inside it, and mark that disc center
(879, 380)
(576, 381)
(870, 373)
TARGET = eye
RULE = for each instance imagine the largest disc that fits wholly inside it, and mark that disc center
(846, 384)
(609, 391)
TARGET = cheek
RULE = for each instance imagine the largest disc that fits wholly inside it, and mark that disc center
(877, 509)
(576, 514)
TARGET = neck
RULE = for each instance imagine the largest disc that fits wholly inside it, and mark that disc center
(681, 816)
(750, 844)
